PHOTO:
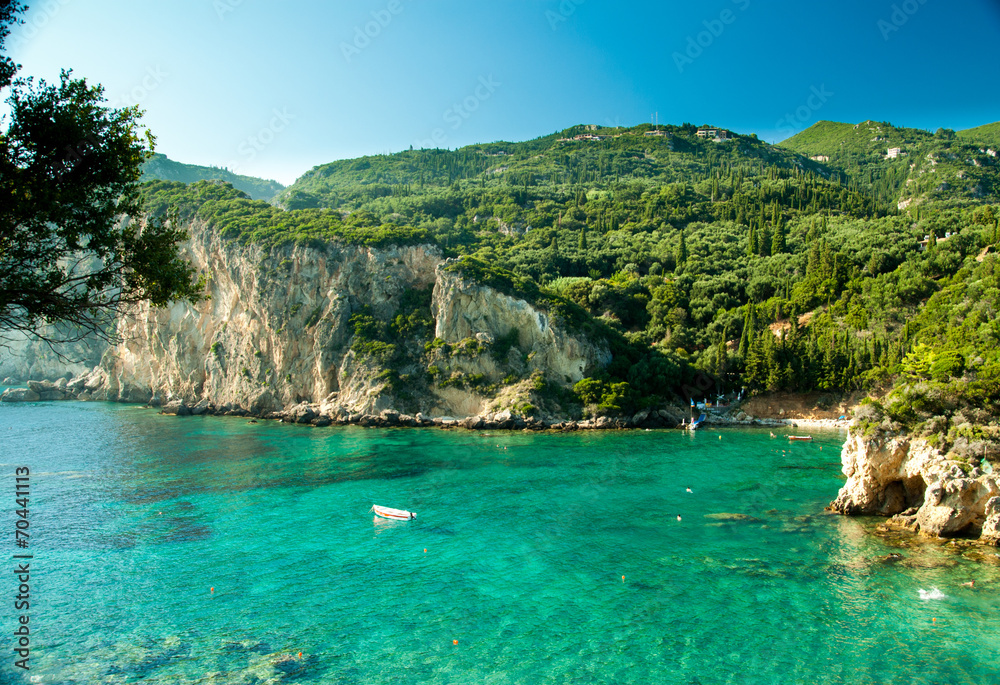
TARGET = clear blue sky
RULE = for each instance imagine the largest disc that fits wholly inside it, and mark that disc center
(272, 89)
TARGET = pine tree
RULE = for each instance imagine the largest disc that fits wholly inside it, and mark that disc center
(583, 239)
(682, 251)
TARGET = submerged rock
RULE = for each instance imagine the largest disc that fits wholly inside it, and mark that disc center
(726, 516)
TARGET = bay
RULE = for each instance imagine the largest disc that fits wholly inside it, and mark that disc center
(215, 550)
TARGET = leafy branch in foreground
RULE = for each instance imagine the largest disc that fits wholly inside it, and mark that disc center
(72, 247)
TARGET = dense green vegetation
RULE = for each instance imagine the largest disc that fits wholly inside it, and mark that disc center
(749, 262)
(161, 168)
(988, 134)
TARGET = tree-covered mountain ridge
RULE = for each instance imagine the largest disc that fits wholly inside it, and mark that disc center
(160, 167)
(748, 263)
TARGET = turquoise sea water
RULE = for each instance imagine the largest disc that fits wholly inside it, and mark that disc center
(135, 517)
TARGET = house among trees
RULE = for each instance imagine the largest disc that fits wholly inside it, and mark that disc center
(894, 152)
(656, 133)
(930, 240)
(716, 134)
(820, 158)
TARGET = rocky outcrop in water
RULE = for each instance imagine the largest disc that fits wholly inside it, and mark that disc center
(920, 488)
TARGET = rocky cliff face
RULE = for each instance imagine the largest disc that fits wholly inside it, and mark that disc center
(922, 489)
(465, 310)
(22, 358)
(276, 333)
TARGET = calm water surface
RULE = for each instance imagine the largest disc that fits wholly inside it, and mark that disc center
(518, 555)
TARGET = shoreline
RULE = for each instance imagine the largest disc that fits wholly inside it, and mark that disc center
(322, 415)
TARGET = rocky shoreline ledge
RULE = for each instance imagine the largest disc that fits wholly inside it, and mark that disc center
(327, 413)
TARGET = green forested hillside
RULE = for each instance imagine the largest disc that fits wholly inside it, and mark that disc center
(162, 168)
(747, 262)
(942, 166)
(988, 134)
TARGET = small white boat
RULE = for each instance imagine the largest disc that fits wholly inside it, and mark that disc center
(396, 514)
(800, 437)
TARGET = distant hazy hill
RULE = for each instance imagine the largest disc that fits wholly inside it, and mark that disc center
(988, 134)
(160, 167)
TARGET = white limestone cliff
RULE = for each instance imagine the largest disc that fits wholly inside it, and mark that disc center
(275, 333)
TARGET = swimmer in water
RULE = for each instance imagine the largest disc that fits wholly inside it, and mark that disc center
(689, 489)
(971, 584)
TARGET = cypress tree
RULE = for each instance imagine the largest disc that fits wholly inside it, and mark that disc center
(764, 242)
(778, 240)
(814, 259)
(682, 251)
(749, 326)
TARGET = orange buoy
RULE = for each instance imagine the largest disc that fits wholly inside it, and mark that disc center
(212, 589)
(623, 579)
(300, 655)
(454, 642)
(425, 550)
